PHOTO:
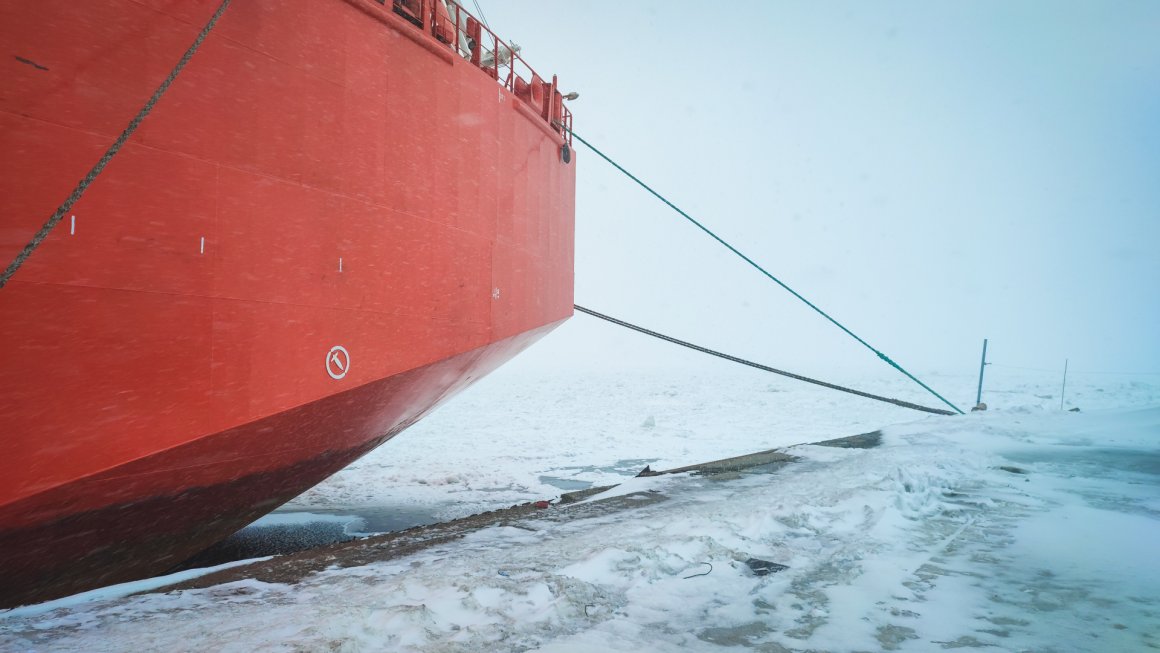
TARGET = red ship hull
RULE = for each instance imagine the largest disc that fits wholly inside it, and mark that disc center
(329, 223)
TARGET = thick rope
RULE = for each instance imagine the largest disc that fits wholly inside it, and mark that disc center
(705, 350)
(110, 153)
(763, 271)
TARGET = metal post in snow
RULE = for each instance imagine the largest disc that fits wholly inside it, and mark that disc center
(1062, 391)
(982, 366)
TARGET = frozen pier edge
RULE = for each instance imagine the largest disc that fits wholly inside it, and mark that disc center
(572, 506)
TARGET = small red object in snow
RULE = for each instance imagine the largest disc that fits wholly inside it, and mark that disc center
(541, 504)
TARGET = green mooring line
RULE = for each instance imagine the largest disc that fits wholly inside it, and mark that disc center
(742, 361)
(762, 270)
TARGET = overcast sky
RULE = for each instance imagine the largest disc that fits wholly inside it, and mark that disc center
(929, 173)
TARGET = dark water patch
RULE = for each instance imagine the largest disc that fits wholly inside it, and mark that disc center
(282, 533)
(566, 484)
(625, 467)
(862, 441)
(744, 635)
(1094, 462)
(567, 481)
(259, 541)
(386, 519)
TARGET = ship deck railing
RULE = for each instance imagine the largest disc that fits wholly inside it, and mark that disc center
(456, 29)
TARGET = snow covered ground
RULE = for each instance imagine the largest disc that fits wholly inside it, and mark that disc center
(520, 436)
(1023, 528)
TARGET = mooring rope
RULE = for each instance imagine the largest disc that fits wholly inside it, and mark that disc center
(762, 270)
(110, 153)
(742, 361)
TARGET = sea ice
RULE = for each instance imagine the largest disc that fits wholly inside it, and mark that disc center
(1022, 528)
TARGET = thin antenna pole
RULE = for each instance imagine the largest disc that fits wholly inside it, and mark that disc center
(982, 366)
(1061, 392)
(481, 16)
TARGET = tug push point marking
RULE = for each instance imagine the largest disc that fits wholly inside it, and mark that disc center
(337, 362)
